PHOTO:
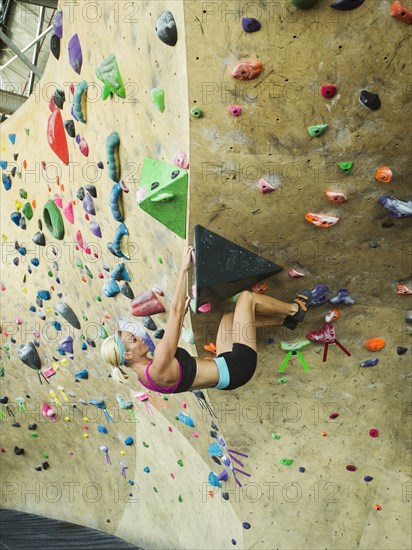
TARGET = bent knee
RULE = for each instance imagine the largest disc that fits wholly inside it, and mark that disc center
(246, 296)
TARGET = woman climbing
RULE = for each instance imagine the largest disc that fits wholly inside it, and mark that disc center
(174, 370)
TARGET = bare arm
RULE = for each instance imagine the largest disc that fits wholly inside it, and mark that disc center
(166, 349)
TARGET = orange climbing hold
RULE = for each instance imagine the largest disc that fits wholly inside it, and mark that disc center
(375, 344)
(333, 315)
(336, 196)
(377, 507)
(260, 288)
(247, 70)
(321, 220)
(210, 347)
(34, 203)
(384, 174)
(403, 290)
(401, 12)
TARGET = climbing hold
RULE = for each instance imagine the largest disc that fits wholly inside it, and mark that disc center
(180, 159)
(115, 202)
(334, 415)
(317, 130)
(301, 469)
(127, 291)
(158, 98)
(403, 290)
(375, 344)
(75, 53)
(282, 380)
(129, 440)
(102, 429)
(346, 4)
(88, 204)
(369, 100)
(196, 112)
(321, 220)
(53, 219)
(186, 419)
(235, 110)
(67, 344)
(384, 174)
(108, 72)
(172, 186)
(80, 101)
(368, 478)
(70, 128)
(377, 507)
(18, 451)
(246, 525)
(303, 4)
(336, 196)
(120, 273)
(6, 182)
(396, 207)
(59, 97)
(146, 303)
(29, 356)
(374, 432)
(159, 333)
(56, 136)
(82, 374)
(345, 166)
(57, 23)
(112, 153)
(166, 28)
(295, 274)
(401, 12)
(342, 297)
(117, 247)
(286, 461)
(213, 480)
(12, 138)
(84, 147)
(250, 24)
(15, 218)
(48, 412)
(55, 45)
(66, 311)
(275, 436)
(68, 212)
(328, 90)
(351, 468)
(325, 335)
(111, 288)
(333, 315)
(370, 362)
(149, 323)
(401, 350)
(247, 70)
(265, 187)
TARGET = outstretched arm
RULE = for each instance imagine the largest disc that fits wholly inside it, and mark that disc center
(166, 348)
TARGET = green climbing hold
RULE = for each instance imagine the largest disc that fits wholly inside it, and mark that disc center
(145, 444)
(99, 298)
(45, 455)
(27, 210)
(27, 131)
(80, 101)
(282, 380)
(84, 316)
(53, 220)
(153, 423)
(196, 112)
(158, 98)
(163, 194)
(50, 273)
(23, 194)
(159, 259)
(303, 4)
(180, 462)
(2, 368)
(102, 332)
(79, 264)
(317, 130)
(155, 490)
(108, 72)
(180, 498)
(34, 434)
(88, 272)
(286, 461)
(345, 166)
(275, 436)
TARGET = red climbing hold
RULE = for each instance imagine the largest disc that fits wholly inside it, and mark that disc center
(328, 90)
(146, 303)
(401, 12)
(56, 136)
(373, 432)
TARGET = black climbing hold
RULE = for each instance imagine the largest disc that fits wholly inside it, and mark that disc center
(159, 333)
(148, 323)
(32, 426)
(224, 268)
(215, 459)
(39, 224)
(4, 400)
(45, 465)
(126, 290)
(166, 28)
(92, 190)
(400, 350)
(154, 185)
(59, 98)
(387, 224)
(225, 495)
(70, 128)
(37, 468)
(213, 425)
(346, 4)
(55, 45)
(15, 156)
(39, 238)
(13, 171)
(369, 100)
(80, 193)
(18, 451)
(174, 174)
(213, 434)
(22, 223)
(250, 24)
(91, 342)
(246, 525)
(16, 425)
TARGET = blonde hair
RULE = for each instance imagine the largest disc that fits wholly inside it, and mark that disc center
(111, 354)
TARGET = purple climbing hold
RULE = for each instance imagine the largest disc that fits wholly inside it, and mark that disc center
(95, 229)
(319, 295)
(57, 23)
(250, 24)
(346, 4)
(342, 297)
(370, 362)
(396, 207)
(100, 165)
(67, 344)
(368, 478)
(246, 525)
(88, 204)
(75, 53)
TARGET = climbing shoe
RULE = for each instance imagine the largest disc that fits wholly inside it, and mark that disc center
(301, 299)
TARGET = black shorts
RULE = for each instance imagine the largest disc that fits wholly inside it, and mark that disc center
(189, 370)
(241, 363)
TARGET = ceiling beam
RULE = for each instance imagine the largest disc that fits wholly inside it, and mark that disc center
(52, 4)
(20, 54)
(10, 102)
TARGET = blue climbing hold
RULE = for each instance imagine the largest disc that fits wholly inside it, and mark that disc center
(12, 138)
(84, 346)
(120, 273)
(15, 218)
(3, 164)
(368, 478)
(129, 440)
(186, 419)
(147, 469)
(102, 429)
(301, 469)
(83, 374)
(115, 202)
(43, 294)
(6, 182)
(214, 450)
(35, 262)
(22, 250)
(246, 525)
(111, 288)
(214, 480)
(370, 362)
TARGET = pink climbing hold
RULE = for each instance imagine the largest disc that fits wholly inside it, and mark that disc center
(180, 159)
(328, 90)
(265, 187)
(373, 432)
(68, 212)
(235, 110)
(146, 303)
(295, 274)
(205, 308)
(48, 412)
(84, 148)
(336, 196)
(58, 201)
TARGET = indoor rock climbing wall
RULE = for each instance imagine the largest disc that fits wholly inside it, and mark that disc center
(309, 442)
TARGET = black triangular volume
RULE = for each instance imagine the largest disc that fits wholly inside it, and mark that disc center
(224, 268)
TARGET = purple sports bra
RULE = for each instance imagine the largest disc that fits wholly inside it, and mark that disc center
(152, 386)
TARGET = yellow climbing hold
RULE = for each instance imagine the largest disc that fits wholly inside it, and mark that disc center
(67, 418)
(85, 436)
(122, 453)
(3, 237)
(85, 419)
(24, 290)
(17, 205)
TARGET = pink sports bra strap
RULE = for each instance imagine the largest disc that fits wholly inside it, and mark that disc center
(152, 386)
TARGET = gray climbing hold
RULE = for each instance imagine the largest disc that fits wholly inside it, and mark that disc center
(166, 28)
(148, 323)
(59, 98)
(39, 238)
(66, 311)
(70, 128)
(29, 356)
(126, 290)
